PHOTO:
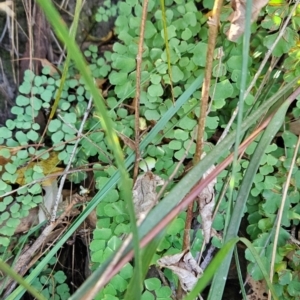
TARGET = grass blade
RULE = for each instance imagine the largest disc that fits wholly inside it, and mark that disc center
(219, 280)
(18, 278)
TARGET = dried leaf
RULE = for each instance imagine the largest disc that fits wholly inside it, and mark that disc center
(294, 126)
(49, 200)
(206, 200)
(184, 266)
(126, 140)
(258, 289)
(92, 219)
(48, 165)
(144, 192)
(238, 17)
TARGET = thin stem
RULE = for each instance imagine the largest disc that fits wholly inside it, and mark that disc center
(280, 212)
(64, 177)
(213, 31)
(138, 91)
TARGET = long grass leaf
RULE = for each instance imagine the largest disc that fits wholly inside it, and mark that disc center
(18, 278)
(217, 287)
(244, 68)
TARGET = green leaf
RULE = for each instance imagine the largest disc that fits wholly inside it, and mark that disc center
(35, 103)
(126, 271)
(4, 241)
(4, 151)
(64, 105)
(118, 78)
(54, 125)
(111, 196)
(12, 223)
(4, 216)
(70, 118)
(125, 63)
(32, 135)
(119, 283)
(152, 114)
(290, 139)
(60, 276)
(147, 296)
(102, 233)
(35, 189)
(16, 110)
(114, 209)
(10, 168)
(10, 124)
(5, 133)
(199, 57)
(150, 29)
(2, 206)
(171, 31)
(176, 226)
(212, 122)
(155, 90)
(35, 126)
(152, 284)
(22, 100)
(293, 288)
(114, 243)
(8, 200)
(221, 90)
(25, 87)
(57, 136)
(234, 62)
(186, 34)
(180, 134)
(285, 43)
(164, 292)
(177, 74)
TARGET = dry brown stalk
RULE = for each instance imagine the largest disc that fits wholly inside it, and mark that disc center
(138, 91)
(212, 36)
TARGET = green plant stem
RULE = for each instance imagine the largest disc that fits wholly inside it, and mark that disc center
(246, 45)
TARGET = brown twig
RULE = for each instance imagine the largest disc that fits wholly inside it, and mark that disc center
(213, 31)
(138, 91)
(212, 36)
